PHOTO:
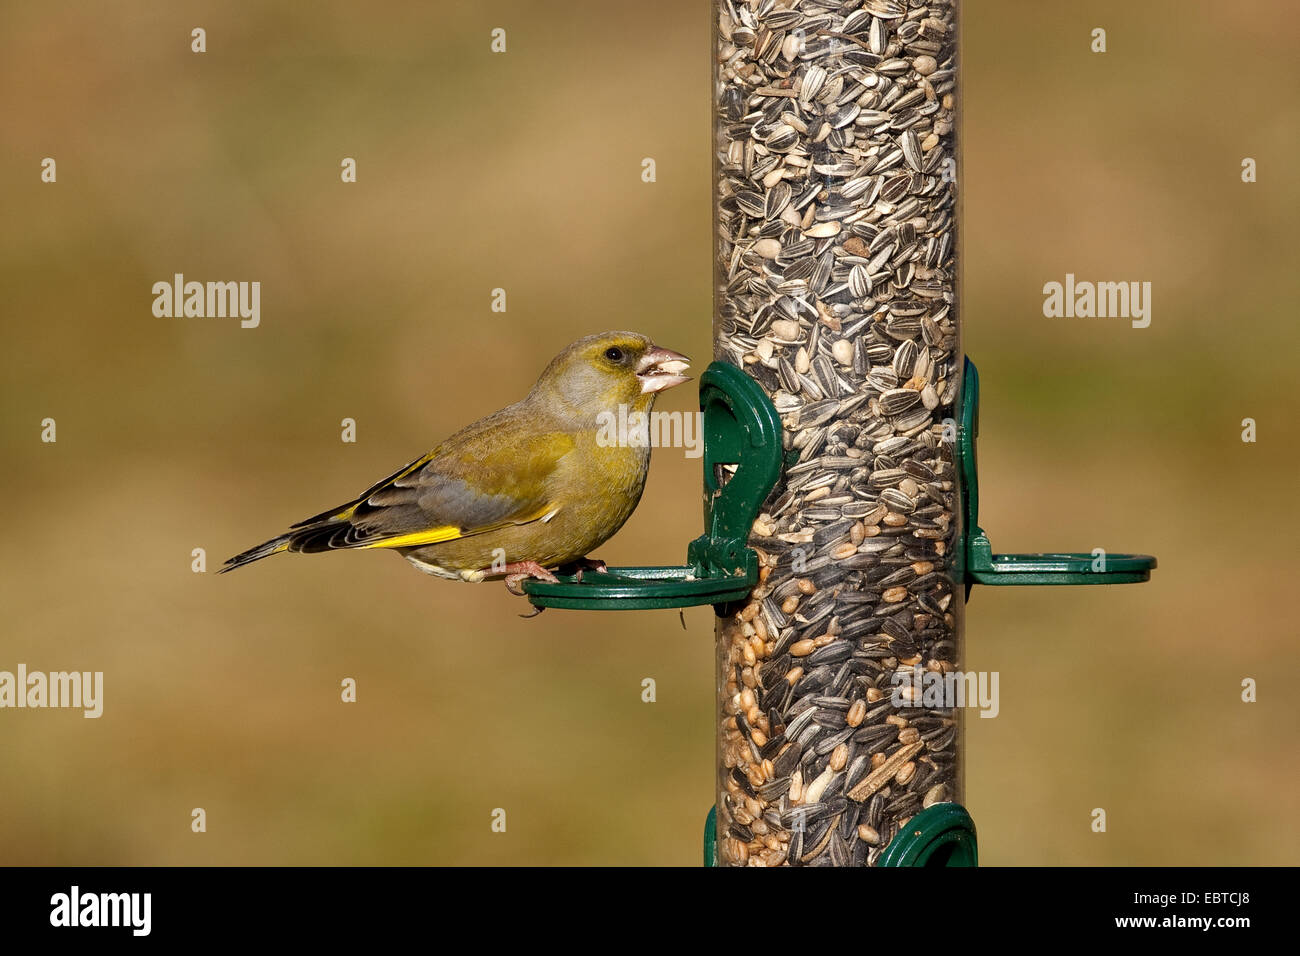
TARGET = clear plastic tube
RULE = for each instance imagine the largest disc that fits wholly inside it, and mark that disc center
(836, 289)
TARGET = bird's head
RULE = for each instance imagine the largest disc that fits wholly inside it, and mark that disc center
(601, 372)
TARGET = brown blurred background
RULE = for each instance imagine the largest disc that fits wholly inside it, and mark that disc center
(522, 171)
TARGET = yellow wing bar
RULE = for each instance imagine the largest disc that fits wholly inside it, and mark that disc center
(415, 539)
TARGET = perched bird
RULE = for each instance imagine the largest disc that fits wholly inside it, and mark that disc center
(533, 487)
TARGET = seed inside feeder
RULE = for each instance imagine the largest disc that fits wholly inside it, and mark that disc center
(836, 274)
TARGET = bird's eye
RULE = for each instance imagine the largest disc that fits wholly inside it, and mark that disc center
(614, 354)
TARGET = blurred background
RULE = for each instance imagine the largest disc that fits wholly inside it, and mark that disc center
(522, 171)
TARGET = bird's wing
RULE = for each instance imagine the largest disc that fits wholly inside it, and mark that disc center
(492, 474)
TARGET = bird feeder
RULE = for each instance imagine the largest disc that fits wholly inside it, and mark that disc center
(841, 534)
(742, 470)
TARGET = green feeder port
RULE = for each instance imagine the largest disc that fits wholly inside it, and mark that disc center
(982, 566)
(941, 835)
(742, 465)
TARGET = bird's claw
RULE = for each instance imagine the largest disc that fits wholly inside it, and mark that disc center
(586, 564)
(522, 571)
(517, 573)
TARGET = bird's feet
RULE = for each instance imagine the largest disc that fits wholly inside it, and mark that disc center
(522, 571)
(576, 568)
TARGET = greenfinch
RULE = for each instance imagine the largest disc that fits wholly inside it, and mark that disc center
(534, 487)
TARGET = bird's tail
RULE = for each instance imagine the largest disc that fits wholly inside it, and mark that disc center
(263, 550)
(321, 533)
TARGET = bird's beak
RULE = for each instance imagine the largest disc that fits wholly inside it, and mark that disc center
(662, 368)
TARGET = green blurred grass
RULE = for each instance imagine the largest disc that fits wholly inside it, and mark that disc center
(522, 171)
